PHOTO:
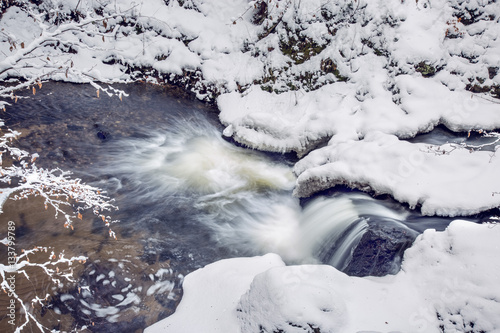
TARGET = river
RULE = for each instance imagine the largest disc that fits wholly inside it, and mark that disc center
(187, 197)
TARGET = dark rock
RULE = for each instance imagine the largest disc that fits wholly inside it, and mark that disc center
(492, 72)
(103, 135)
(380, 250)
(476, 88)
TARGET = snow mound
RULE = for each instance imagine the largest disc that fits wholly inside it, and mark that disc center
(211, 295)
(442, 179)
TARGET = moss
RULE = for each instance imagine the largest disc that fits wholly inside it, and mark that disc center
(300, 50)
(292, 86)
(328, 66)
(267, 88)
(425, 69)
(477, 88)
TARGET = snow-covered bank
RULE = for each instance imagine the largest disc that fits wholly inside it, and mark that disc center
(448, 283)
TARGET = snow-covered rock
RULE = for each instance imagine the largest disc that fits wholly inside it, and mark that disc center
(443, 180)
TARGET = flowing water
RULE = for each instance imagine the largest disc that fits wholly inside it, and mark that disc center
(187, 198)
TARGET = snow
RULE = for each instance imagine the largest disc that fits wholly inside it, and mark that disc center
(215, 311)
(410, 172)
(439, 285)
(345, 85)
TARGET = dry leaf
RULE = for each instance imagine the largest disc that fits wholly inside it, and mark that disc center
(97, 93)
(34, 91)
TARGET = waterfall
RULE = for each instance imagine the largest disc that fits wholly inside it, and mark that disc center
(242, 196)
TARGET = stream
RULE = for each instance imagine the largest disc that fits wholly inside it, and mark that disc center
(187, 198)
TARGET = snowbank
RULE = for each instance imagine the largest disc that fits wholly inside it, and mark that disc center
(448, 283)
